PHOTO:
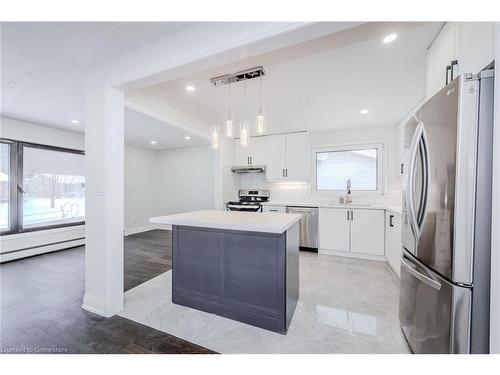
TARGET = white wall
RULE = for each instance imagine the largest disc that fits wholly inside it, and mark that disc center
(140, 188)
(156, 183)
(165, 182)
(294, 191)
(185, 179)
(26, 244)
(36, 133)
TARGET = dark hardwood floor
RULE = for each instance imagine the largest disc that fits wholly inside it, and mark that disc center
(41, 297)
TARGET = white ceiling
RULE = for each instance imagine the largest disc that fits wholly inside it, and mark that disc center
(44, 65)
(318, 85)
(142, 129)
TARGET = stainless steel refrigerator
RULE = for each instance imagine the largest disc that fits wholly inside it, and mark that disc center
(446, 231)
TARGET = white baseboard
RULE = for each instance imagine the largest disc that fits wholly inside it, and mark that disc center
(348, 254)
(95, 305)
(40, 250)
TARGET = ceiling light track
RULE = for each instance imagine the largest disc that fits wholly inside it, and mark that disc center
(242, 75)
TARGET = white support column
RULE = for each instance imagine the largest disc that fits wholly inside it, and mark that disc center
(495, 239)
(104, 159)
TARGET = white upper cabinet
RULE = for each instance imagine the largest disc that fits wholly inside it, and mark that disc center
(469, 43)
(287, 157)
(276, 154)
(254, 154)
(241, 154)
(440, 55)
(296, 156)
(258, 151)
(476, 46)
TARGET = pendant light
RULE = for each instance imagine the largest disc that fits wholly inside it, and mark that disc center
(215, 138)
(229, 118)
(244, 133)
(244, 130)
(260, 114)
(215, 134)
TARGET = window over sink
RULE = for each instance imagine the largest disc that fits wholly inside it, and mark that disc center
(361, 164)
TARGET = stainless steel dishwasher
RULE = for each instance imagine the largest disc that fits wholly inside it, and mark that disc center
(308, 226)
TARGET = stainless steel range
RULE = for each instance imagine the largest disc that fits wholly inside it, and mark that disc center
(250, 200)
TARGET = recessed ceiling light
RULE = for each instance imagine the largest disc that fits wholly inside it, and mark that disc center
(190, 88)
(363, 111)
(390, 38)
(75, 121)
(153, 142)
(187, 137)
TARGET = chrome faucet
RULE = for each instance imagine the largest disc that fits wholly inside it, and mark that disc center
(348, 198)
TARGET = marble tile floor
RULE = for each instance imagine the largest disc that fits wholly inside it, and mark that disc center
(345, 306)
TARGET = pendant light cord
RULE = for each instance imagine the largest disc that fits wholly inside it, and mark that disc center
(260, 82)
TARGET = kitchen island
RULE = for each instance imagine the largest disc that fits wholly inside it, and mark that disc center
(240, 265)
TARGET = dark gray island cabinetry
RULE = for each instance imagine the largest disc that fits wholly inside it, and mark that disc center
(240, 265)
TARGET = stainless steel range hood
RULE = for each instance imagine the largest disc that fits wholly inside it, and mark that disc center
(249, 169)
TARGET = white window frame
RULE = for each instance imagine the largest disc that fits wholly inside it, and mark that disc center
(381, 168)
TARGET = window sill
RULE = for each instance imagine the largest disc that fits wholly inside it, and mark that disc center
(42, 231)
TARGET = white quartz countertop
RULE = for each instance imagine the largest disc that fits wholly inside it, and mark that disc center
(393, 208)
(233, 220)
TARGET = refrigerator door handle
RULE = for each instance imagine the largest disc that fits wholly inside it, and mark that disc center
(425, 279)
(409, 181)
(427, 179)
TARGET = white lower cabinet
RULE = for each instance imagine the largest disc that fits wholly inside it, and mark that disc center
(333, 229)
(367, 231)
(393, 240)
(352, 231)
(281, 209)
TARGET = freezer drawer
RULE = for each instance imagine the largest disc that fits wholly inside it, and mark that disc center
(434, 313)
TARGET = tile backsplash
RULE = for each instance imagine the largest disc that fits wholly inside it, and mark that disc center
(300, 191)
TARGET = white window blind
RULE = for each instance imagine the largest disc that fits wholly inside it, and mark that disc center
(334, 168)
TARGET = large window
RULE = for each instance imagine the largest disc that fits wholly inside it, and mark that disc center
(4, 186)
(334, 166)
(44, 187)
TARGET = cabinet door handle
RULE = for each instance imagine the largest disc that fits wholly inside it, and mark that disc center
(348, 216)
(402, 168)
(352, 215)
(448, 69)
(391, 220)
(286, 172)
(453, 64)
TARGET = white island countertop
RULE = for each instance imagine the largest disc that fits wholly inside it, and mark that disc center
(393, 208)
(267, 222)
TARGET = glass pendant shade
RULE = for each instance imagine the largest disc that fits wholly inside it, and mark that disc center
(260, 122)
(215, 138)
(229, 125)
(244, 134)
